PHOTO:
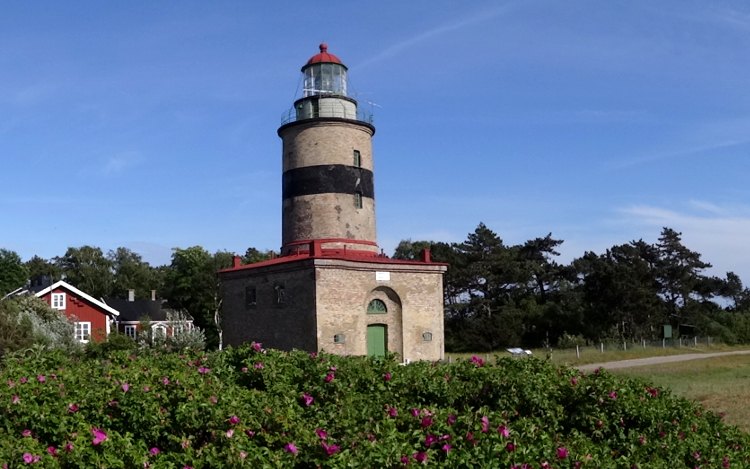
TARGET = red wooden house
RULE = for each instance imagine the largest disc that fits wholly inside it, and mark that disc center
(93, 318)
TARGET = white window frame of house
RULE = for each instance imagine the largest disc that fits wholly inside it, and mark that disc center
(82, 331)
(160, 329)
(57, 301)
(131, 331)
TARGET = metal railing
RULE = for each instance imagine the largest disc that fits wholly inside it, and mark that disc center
(291, 116)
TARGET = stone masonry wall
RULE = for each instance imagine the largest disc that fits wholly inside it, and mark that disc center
(284, 325)
(345, 288)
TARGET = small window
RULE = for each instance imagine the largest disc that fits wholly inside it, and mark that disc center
(427, 336)
(83, 331)
(160, 331)
(339, 339)
(130, 331)
(377, 307)
(280, 293)
(358, 200)
(357, 159)
(58, 300)
(250, 297)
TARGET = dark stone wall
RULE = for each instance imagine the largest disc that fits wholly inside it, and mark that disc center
(283, 313)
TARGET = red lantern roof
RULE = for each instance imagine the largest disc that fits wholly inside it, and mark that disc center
(323, 57)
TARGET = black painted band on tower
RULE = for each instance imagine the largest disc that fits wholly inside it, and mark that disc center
(327, 179)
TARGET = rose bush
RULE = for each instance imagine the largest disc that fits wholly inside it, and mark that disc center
(250, 407)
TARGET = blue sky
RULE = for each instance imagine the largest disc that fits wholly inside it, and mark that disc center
(152, 125)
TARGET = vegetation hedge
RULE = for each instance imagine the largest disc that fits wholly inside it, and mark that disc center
(250, 407)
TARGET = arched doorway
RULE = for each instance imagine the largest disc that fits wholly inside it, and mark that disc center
(383, 319)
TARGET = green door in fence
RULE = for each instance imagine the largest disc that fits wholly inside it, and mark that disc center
(376, 340)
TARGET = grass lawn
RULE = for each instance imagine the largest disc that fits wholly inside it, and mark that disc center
(721, 384)
(594, 355)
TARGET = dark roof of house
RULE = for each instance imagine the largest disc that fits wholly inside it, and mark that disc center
(138, 309)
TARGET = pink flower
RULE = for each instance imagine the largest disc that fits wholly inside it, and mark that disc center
(307, 399)
(503, 431)
(330, 449)
(68, 447)
(291, 448)
(415, 412)
(213, 399)
(154, 451)
(477, 361)
(26, 433)
(322, 434)
(426, 421)
(259, 366)
(613, 395)
(15, 400)
(29, 458)
(41, 378)
(485, 424)
(52, 451)
(23, 380)
(451, 419)
(387, 376)
(203, 370)
(249, 433)
(230, 433)
(546, 465)
(447, 447)
(653, 392)
(234, 420)
(392, 412)
(257, 346)
(99, 436)
(165, 381)
(430, 440)
(510, 447)
(244, 370)
(125, 387)
(562, 452)
(420, 457)
(243, 454)
(725, 462)
(146, 388)
(573, 381)
(72, 408)
(329, 377)
(405, 460)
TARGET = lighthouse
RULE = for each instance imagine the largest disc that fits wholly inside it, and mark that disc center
(327, 185)
(332, 289)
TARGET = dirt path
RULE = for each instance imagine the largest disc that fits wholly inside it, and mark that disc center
(658, 360)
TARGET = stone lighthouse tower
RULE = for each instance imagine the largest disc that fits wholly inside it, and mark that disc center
(330, 289)
(328, 192)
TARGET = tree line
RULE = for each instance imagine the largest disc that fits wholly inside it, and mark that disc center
(499, 295)
(496, 295)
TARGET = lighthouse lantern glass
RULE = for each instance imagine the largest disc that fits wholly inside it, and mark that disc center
(325, 79)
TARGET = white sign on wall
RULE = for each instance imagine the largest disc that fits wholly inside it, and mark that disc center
(382, 276)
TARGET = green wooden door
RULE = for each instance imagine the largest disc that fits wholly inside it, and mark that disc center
(376, 340)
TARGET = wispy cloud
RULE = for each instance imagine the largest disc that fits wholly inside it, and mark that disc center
(460, 23)
(117, 164)
(718, 232)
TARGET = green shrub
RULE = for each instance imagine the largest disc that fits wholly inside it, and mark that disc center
(250, 407)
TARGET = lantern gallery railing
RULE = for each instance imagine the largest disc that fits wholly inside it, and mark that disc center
(326, 110)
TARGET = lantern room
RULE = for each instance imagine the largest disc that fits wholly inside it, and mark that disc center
(324, 75)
